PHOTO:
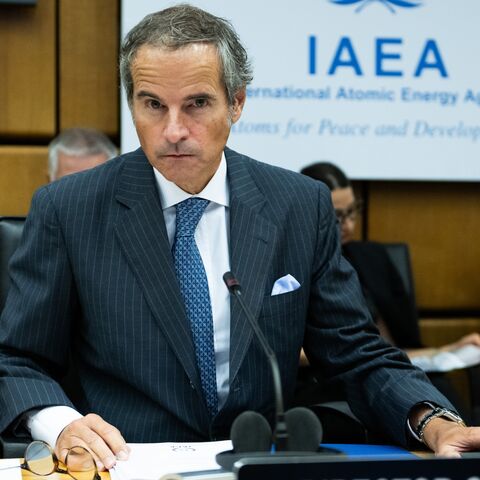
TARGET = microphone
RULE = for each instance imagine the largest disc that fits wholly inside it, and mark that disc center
(280, 435)
(304, 430)
(251, 432)
(298, 432)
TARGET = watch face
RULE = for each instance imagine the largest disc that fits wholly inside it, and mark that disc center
(449, 415)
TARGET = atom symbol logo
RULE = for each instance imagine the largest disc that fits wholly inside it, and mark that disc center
(389, 4)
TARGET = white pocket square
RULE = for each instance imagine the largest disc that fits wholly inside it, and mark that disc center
(284, 285)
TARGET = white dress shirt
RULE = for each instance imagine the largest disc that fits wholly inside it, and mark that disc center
(212, 239)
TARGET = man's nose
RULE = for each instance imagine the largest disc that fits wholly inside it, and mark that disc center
(176, 128)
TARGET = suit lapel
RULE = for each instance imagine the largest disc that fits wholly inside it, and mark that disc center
(252, 239)
(143, 237)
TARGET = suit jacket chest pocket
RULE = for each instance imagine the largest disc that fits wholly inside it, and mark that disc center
(282, 320)
(282, 305)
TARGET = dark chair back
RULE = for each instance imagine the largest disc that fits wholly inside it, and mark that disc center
(400, 257)
(11, 229)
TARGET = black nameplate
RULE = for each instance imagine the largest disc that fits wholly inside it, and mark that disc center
(298, 468)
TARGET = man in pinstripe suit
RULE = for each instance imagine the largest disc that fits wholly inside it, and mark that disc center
(94, 279)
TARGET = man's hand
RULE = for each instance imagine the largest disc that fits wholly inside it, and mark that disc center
(99, 437)
(449, 439)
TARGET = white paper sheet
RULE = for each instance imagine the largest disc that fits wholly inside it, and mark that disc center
(150, 461)
(9, 473)
(463, 357)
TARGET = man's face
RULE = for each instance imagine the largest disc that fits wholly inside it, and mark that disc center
(68, 164)
(343, 200)
(181, 112)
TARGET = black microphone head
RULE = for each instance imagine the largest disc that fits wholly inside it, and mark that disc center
(304, 430)
(232, 283)
(251, 432)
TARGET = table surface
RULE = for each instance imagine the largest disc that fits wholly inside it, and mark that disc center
(26, 475)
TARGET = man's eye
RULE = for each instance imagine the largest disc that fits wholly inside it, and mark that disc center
(350, 211)
(200, 102)
(154, 104)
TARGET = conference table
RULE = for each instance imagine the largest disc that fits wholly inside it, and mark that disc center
(26, 475)
(432, 468)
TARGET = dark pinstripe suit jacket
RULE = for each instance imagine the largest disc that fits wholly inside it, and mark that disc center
(94, 279)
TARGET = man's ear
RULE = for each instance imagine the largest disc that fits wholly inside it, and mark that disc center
(238, 103)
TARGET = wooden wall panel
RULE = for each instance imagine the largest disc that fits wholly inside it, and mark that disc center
(89, 91)
(441, 223)
(436, 332)
(24, 169)
(27, 70)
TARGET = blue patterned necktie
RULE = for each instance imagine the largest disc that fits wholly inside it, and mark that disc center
(194, 288)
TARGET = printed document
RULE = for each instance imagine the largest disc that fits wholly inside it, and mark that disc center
(151, 461)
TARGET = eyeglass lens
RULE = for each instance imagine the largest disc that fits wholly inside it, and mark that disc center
(39, 458)
(80, 464)
(349, 213)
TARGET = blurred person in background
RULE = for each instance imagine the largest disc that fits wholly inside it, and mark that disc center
(391, 306)
(77, 149)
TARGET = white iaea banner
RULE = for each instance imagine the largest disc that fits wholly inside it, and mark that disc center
(387, 89)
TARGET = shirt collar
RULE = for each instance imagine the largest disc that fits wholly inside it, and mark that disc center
(215, 191)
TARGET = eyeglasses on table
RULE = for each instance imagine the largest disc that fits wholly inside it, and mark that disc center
(40, 459)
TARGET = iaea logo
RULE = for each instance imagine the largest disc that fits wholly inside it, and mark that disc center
(390, 4)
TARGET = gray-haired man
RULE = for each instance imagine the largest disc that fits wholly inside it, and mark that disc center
(77, 149)
(98, 275)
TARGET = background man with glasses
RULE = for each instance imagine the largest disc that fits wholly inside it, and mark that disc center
(121, 268)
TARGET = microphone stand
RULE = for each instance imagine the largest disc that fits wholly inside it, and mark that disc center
(280, 435)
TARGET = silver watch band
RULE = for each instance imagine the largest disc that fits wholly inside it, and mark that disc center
(436, 412)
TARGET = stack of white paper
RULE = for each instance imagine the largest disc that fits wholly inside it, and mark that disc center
(151, 461)
(464, 357)
(10, 469)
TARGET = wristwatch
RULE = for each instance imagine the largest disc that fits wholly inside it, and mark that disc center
(436, 412)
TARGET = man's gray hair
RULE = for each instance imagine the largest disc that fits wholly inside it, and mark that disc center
(78, 142)
(181, 25)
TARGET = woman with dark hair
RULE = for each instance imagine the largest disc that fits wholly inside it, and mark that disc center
(391, 306)
(343, 198)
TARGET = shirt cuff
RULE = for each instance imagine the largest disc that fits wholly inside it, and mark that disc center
(48, 423)
(412, 431)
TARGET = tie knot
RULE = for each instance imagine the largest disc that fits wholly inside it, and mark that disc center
(189, 213)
